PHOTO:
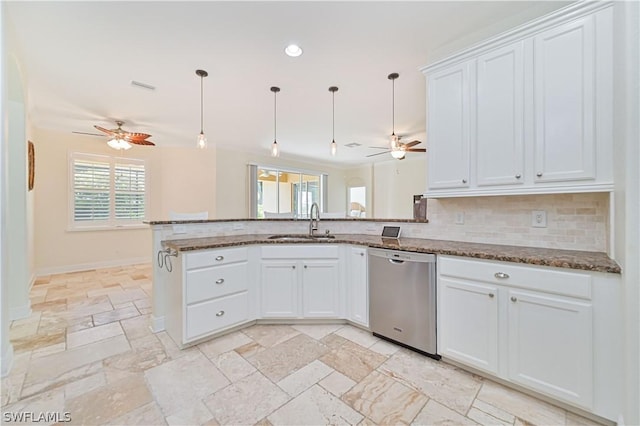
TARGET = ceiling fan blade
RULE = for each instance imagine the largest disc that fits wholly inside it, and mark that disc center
(378, 153)
(141, 142)
(107, 131)
(416, 150)
(137, 136)
(379, 147)
(412, 143)
(90, 134)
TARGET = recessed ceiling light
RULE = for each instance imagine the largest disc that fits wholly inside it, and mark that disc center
(293, 50)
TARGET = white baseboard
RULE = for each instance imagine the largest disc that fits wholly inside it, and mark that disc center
(20, 312)
(92, 265)
(7, 361)
(156, 324)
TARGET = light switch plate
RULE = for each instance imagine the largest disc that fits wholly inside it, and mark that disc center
(539, 219)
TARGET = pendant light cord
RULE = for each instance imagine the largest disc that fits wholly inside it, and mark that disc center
(201, 104)
(393, 106)
(333, 116)
(275, 122)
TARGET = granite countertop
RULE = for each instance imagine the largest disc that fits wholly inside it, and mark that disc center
(328, 219)
(573, 259)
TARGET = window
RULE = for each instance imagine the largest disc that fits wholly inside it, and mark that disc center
(285, 193)
(106, 192)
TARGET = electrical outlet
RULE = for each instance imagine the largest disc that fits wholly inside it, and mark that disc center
(459, 218)
(539, 219)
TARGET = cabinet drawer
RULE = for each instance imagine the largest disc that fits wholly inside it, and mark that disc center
(216, 314)
(205, 258)
(536, 278)
(300, 251)
(203, 284)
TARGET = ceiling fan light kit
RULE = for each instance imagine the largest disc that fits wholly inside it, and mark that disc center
(122, 140)
(275, 152)
(202, 139)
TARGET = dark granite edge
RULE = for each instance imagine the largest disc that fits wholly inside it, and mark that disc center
(333, 219)
(472, 250)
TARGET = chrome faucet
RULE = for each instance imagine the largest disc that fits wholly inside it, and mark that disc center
(313, 223)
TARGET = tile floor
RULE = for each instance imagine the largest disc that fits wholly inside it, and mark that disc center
(87, 350)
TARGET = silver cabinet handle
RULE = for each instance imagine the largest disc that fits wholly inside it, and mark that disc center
(219, 258)
(514, 299)
(501, 275)
(518, 176)
(220, 281)
(491, 295)
(219, 314)
(539, 174)
(464, 181)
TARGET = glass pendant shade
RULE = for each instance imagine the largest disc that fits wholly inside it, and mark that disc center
(119, 144)
(202, 141)
(334, 148)
(398, 153)
(274, 149)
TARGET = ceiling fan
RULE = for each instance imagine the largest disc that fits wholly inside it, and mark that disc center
(402, 148)
(121, 139)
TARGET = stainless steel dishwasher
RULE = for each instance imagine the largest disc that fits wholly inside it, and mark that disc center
(402, 298)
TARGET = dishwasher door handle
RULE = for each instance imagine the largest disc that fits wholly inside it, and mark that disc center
(396, 261)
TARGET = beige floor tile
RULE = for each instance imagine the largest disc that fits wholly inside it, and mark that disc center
(11, 387)
(494, 411)
(356, 335)
(37, 341)
(136, 327)
(32, 386)
(353, 360)
(128, 295)
(109, 402)
(94, 334)
(316, 406)
(317, 331)
(196, 414)
(520, 405)
(145, 353)
(47, 402)
(147, 415)
(87, 384)
(223, 344)
(115, 315)
(48, 350)
(435, 413)
(485, 419)
(384, 348)
(246, 401)
(233, 366)
(384, 400)
(337, 383)
(249, 350)
(181, 383)
(299, 381)
(283, 359)
(448, 385)
(270, 335)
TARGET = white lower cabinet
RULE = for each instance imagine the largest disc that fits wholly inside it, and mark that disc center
(531, 326)
(468, 324)
(550, 345)
(299, 282)
(358, 286)
(209, 292)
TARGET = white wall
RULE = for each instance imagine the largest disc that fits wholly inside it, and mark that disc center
(627, 191)
(395, 182)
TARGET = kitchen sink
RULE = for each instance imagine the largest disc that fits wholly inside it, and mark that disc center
(301, 237)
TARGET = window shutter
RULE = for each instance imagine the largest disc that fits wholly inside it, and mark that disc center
(91, 191)
(129, 184)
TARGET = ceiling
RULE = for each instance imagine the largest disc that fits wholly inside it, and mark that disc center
(79, 59)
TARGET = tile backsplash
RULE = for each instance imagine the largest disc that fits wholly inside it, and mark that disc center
(574, 222)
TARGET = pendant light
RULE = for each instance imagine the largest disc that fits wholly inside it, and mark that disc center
(397, 151)
(202, 139)
(274, 146)
(334, 145)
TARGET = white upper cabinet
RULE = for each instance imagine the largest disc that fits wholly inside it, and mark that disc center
(564, 88)
(527, 112)
(448, 121)
(499, 118)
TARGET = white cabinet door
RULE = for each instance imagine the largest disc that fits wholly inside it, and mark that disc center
(468, 327)
(320, 289)
(358, 288)
(279, 289)
(550, 346)
(564, 91)
(499, 117)
(448, 127)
